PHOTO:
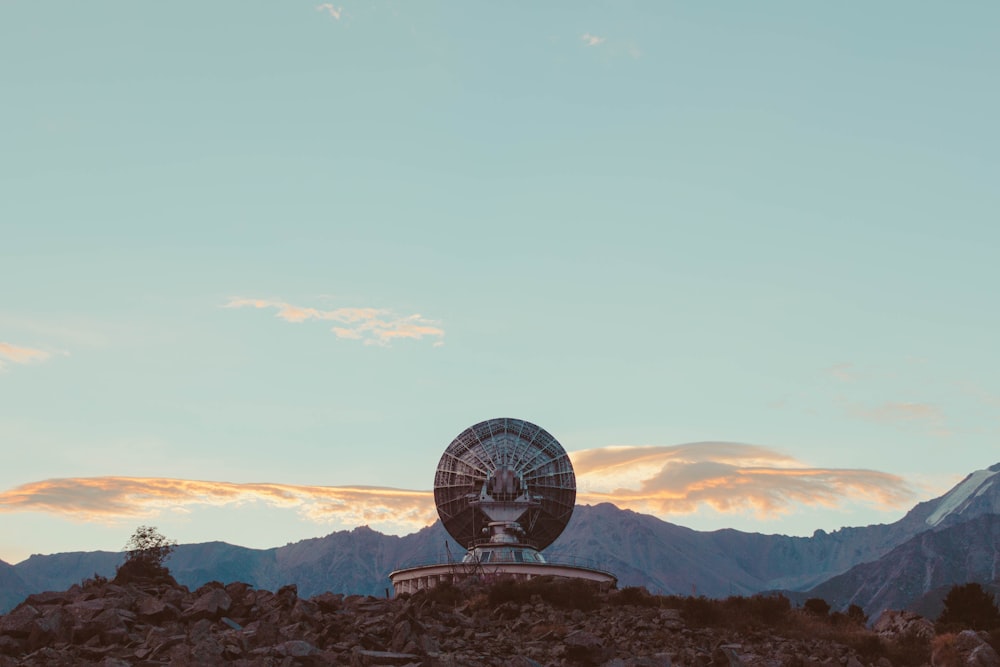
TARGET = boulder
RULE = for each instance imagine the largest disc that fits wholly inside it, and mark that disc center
(295, 648)
(19, 622)
(364, 658)
(55, 625)
(892, 623)
(658, 660)
(966, 649)
(212, 604)
(287, 595)
(584, 648)
(155, 610)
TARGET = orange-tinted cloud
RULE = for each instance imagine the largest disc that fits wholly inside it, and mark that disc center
(375, 326)
(726, 477)
(115, 498)
(20, 355)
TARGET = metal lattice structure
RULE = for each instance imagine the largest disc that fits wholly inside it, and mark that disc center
(507, 462)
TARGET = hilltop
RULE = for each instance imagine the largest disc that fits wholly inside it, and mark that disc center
(541, 622)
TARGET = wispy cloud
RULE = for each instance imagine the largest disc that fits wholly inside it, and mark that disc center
(111, 499)
(891, 412)
(20, 355)
(726, 477)
(845, 372)
(664, 481)
(331, 9)
(611, 48)
(902, 414)
(374, 326)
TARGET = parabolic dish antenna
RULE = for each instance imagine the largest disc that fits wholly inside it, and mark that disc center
(504, 481)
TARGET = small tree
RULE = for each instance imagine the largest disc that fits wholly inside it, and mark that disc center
(149, 546)
(145, 553)
(817, 606)
(968, 606)
(857, 614)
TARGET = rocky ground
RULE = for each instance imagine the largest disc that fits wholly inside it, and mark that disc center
(157, 622)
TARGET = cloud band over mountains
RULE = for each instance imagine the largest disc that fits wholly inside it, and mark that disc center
(664, 481)
(110, 499)
(727, 477)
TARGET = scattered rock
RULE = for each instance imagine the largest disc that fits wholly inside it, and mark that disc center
(156, 623)
(966, 649)
(892, 623)
(211, 605)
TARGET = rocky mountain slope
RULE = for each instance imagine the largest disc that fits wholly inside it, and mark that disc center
(933, 561)
(642, 550)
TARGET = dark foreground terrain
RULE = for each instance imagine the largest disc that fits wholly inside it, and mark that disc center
(542, 622)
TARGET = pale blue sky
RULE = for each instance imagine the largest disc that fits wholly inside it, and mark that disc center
(631, 223)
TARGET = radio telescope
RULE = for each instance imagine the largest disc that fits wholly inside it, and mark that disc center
(505, 490)
(504, 482)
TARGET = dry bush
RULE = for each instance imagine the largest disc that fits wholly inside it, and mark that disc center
(556, 591)
(943, 650)
(763, 610)
(143, 571)
(94, 582)
(736, 613)
(636, 596)
(774, 614)
(994, 640)
(817, 606)
(445, 594)
(701, 612)
(906, 649)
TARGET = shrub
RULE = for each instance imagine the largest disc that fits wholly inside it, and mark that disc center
(559, 592)
(445, 593)
(994, 640)
(968, 606)
(768, 609)
(817, 606)
(909, 649)
(95, 581)
(906, 649)
(857, 614)
(868, 647)
(734, 613)
(701, 612)
(636, 596)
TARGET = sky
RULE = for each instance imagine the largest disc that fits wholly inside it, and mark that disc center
(261, 261)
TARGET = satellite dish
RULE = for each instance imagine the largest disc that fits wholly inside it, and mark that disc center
(505, 481)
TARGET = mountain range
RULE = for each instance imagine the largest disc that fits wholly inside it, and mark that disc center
(906, 564)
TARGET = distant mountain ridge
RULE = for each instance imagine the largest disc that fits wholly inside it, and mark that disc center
(933, 560)
(977, 494)
(843, 566)
(12, 587)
